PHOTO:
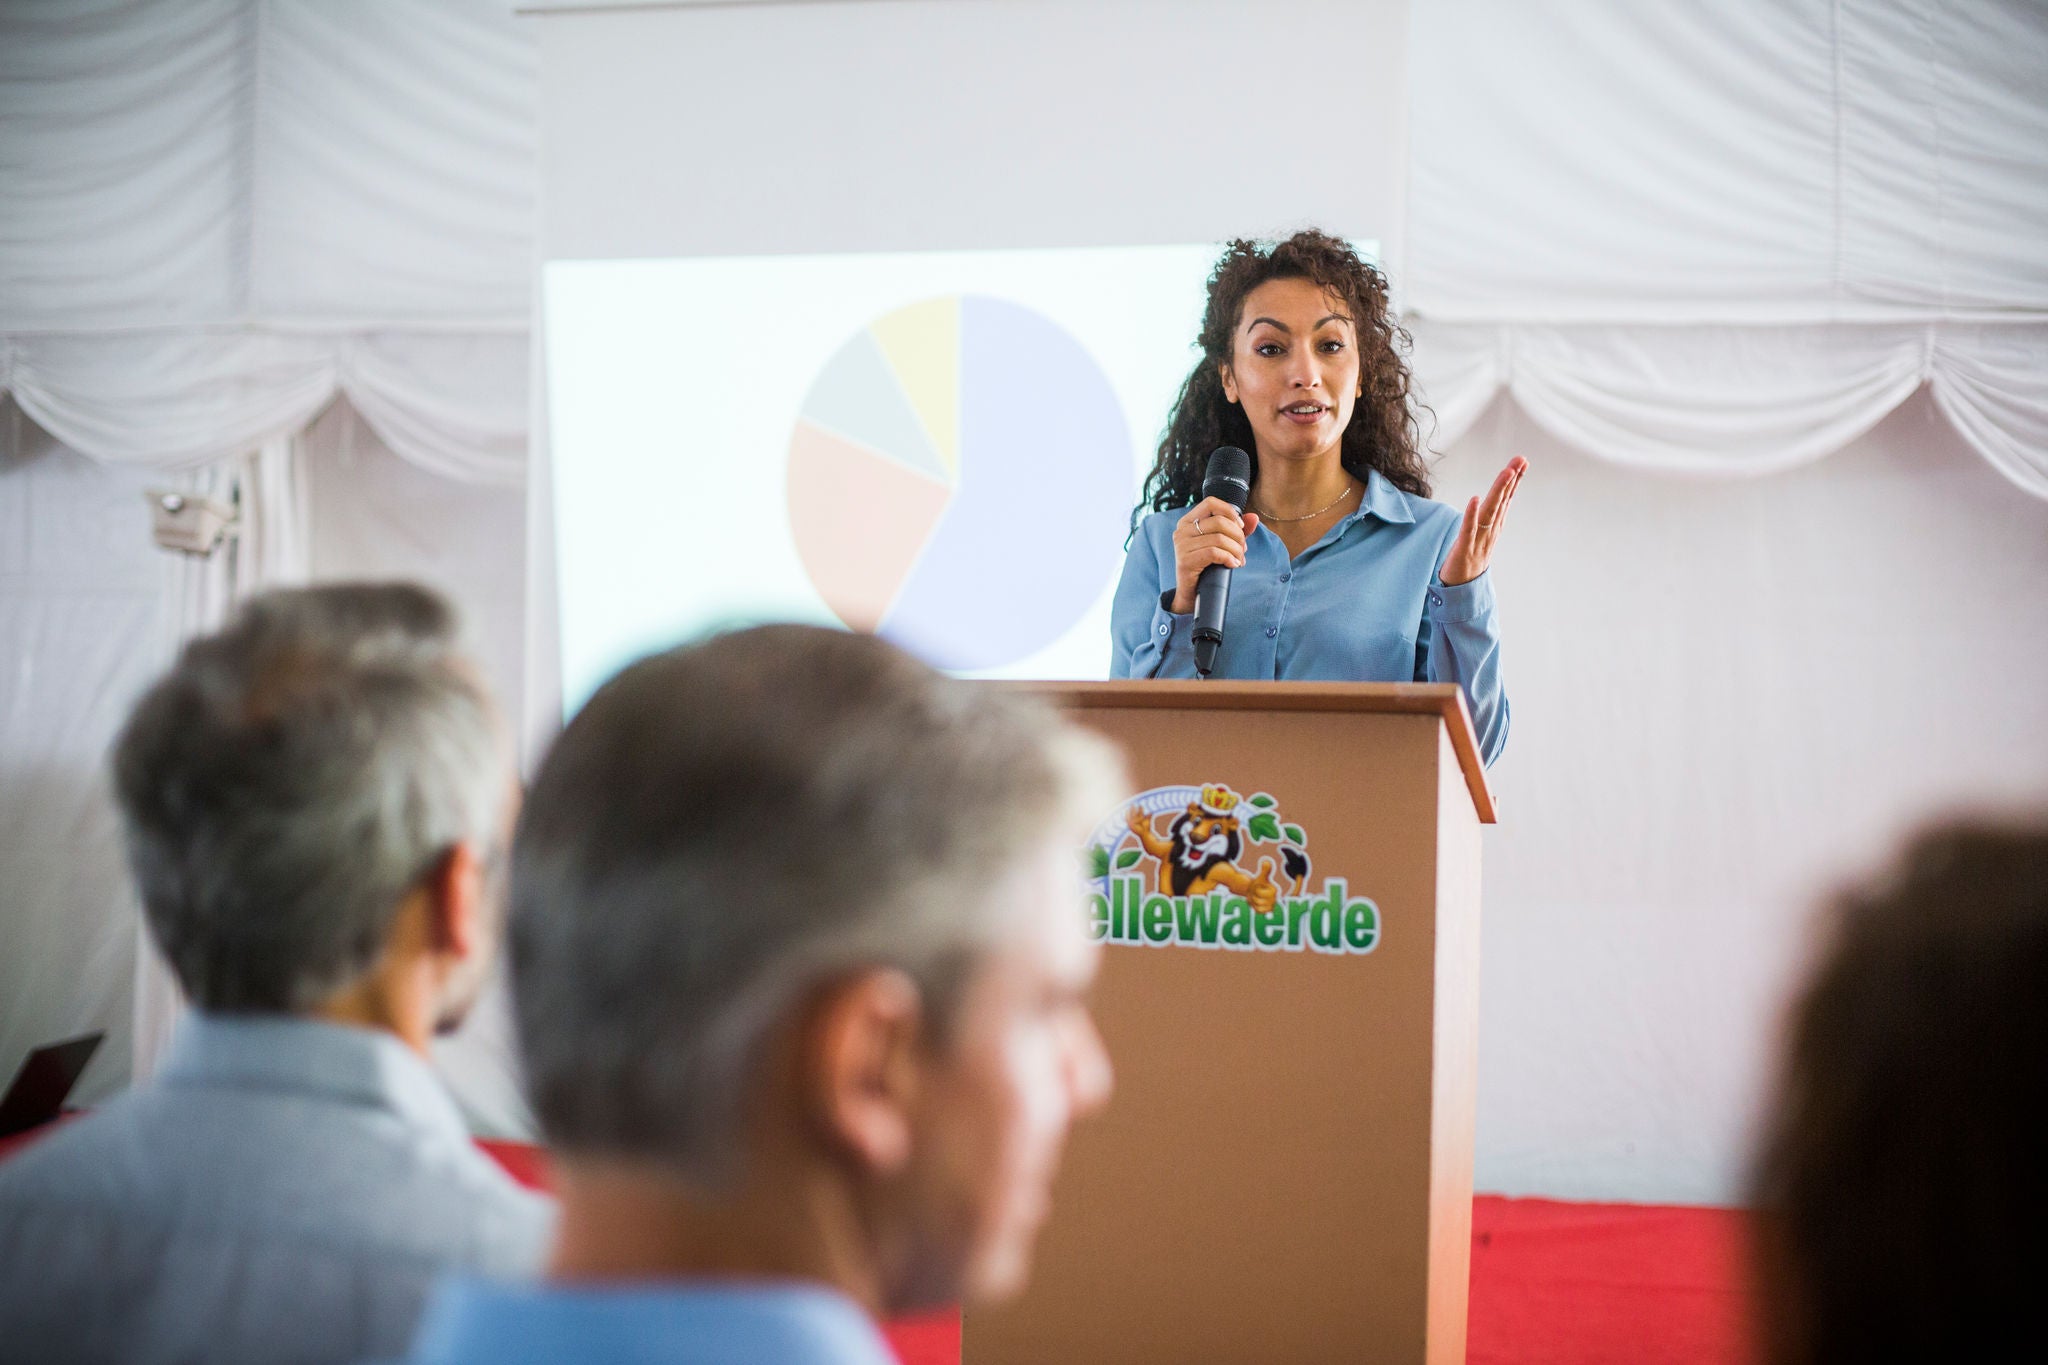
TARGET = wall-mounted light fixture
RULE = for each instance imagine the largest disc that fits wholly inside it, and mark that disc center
(188, 523)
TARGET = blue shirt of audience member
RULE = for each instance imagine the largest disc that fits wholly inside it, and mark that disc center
(471, 1322)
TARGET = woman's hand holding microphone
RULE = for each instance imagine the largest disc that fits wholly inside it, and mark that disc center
(1212, 532)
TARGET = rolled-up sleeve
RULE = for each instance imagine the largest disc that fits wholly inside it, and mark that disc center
(1144, 635)
(1460, 643)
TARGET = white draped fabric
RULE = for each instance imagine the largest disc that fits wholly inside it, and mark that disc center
(453, 403)
(1788, 161)
(1725, 399)
(1728, 239)
(218, 162)
(218, 216)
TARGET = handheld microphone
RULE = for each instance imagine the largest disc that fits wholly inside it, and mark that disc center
(1228, 477)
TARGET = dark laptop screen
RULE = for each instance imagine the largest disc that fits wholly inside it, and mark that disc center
(45, 1079)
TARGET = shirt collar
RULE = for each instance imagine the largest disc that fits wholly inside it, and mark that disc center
(1383, 500)
(284, 1053)
(784, 1323)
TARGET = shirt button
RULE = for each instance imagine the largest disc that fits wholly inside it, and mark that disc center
(1163, 627)
(1435, 601)
(1284, 577)
(1271, 631)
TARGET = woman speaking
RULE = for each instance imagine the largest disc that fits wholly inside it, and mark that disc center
(1343, 569)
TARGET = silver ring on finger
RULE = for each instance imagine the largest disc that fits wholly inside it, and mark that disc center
(1198, 524)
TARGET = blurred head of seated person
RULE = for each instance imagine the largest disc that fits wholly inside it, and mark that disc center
(800, 968)
(1901, 1189)
(317, 803)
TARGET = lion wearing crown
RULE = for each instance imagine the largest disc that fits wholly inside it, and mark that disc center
(1201, 848)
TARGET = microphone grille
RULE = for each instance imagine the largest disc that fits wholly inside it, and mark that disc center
(1229, 476)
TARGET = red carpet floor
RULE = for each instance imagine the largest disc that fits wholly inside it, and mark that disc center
(1552, 1283)
(1594, 1284)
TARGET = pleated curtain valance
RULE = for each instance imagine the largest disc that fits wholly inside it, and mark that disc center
(1707, 239)
(1727, 239)
(454, 404)
(218, 215)
(1723, 399)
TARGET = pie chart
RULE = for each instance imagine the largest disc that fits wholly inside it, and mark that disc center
(960, 481)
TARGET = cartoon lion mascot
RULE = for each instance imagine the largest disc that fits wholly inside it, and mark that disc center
(1201, 850)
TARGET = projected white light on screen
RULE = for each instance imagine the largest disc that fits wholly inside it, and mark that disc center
(943, 447)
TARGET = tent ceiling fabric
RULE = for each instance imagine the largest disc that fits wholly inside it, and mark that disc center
(1727, 239)
(1769, 161)
(1708, 239)
(217, 215)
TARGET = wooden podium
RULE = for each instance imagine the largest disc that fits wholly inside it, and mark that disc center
(1284, 1173)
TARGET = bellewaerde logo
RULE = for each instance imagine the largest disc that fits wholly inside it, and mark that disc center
(1202, 867)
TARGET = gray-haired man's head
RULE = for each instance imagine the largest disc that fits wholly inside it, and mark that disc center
(294, 777)
(728, 829)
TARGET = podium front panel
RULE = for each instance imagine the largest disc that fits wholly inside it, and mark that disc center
(1280, 1172)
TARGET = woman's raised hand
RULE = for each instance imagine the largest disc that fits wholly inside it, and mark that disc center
(1212, 532)
(1472, 550)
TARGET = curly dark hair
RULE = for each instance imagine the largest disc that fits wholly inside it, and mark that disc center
(1383, 433)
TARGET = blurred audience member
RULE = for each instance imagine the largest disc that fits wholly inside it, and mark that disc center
(1901, 1190)
(316, 803)
(799, 962)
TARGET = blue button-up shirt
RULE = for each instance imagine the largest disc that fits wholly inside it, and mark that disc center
(284, 1192)
(1363, 604)
(476, 1323)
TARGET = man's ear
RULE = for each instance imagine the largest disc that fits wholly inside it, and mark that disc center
(455, 903)
(861, 1067)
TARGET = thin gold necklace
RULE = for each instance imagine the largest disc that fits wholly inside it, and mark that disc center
(1310, 516)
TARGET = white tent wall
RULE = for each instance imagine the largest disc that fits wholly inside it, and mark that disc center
(1665, 251)
(1764, 162)
(223, 163)
(216, 219)
(1730, 695)
(90, 610)
(83, 627)
(1729, 238)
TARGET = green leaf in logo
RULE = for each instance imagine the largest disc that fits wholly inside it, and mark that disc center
(1265, 826)
(1098, 863)
(1263, 801)
(1127, 857)
(1294, 832)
